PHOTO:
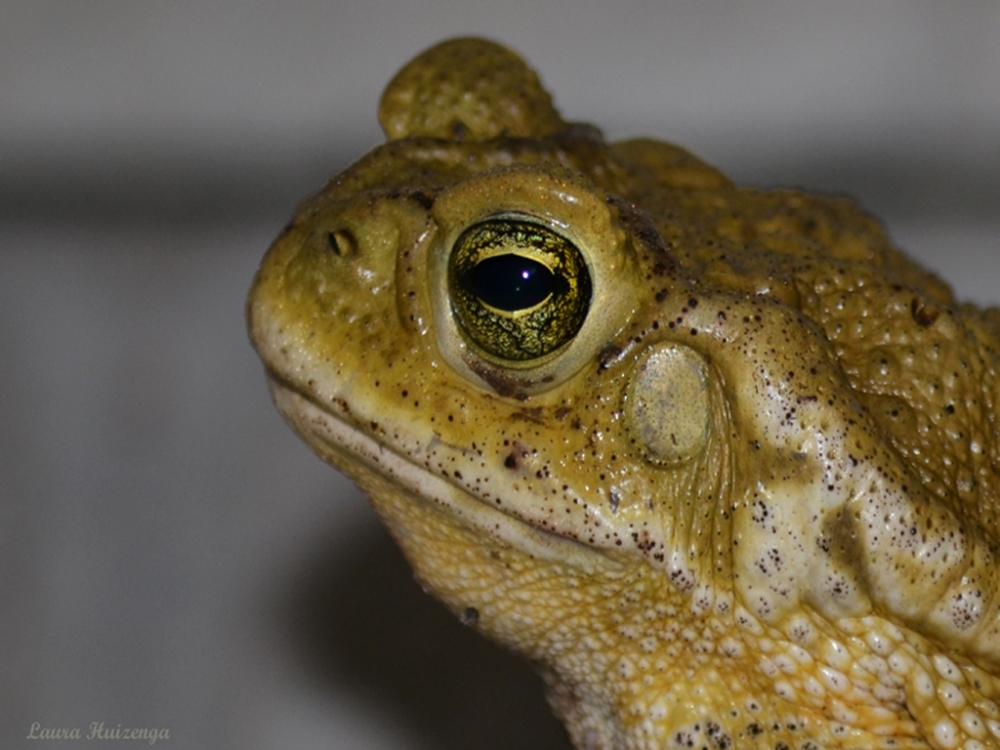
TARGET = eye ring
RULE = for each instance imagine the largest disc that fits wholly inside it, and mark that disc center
(519, 290)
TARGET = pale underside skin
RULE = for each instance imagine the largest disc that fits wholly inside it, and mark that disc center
(751, 501)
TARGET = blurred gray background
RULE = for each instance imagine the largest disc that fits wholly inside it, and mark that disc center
(170, 555)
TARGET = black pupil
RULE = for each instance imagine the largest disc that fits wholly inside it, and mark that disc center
(512, 282)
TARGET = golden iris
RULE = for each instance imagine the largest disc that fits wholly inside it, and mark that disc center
(519, 290)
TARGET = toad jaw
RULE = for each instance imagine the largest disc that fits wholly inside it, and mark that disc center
(347, 446)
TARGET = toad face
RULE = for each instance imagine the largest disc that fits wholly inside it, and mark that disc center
(720, 461)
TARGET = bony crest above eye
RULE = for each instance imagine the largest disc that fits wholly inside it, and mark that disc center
(519, 291)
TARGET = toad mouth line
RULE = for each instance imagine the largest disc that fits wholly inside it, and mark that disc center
(422, 486)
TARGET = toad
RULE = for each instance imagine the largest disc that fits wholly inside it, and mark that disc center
(721, 462)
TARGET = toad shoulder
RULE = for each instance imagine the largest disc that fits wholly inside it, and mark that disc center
(721, 461)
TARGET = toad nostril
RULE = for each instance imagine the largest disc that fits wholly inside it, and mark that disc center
(342, 243)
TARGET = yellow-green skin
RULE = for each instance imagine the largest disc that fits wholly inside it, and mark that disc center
(752, 503)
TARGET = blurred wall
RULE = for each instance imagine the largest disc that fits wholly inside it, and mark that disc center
(204, 107)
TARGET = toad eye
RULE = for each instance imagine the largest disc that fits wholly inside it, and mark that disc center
(519, 291)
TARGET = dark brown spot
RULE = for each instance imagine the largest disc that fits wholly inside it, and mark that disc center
(470, 617)
(615, 498)
(839, 538)
(423, 199)
(500, 382)
(608, 355)
(924, 312)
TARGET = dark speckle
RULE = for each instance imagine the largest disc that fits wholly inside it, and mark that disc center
(470, 617)
(425, 201)
(924, 313)
(615, 500)
(608, 355)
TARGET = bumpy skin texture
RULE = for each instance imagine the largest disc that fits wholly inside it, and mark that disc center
(751, 503)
